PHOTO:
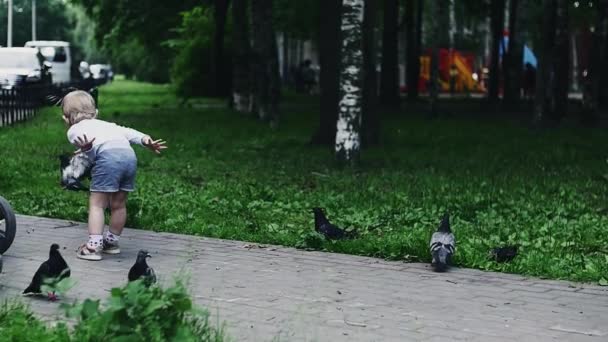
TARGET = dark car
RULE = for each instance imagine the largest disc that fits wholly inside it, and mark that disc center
(23, 67)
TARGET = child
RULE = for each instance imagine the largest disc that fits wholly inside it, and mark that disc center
(113, 172)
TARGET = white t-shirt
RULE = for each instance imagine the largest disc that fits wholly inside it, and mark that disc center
(107, 135)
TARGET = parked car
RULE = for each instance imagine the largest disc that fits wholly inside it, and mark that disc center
(58, 53)
(102, 73)
(23, 67)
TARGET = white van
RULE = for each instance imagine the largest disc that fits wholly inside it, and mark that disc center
(58, 53)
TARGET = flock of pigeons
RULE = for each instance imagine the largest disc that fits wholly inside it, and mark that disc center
(442, 244)
(56, 269)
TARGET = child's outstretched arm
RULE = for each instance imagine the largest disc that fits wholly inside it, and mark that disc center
(154, 145)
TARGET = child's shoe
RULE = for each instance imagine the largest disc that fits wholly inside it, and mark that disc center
(84, 252)
(110, 247)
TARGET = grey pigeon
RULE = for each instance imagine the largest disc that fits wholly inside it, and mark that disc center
(325, 228)
(443, 244)
(141, 270)
(55, 268)
(74, 168)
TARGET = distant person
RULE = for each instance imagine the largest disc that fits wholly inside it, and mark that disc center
(113, 173)
(529, 81)
(453, 78)
(309, 77)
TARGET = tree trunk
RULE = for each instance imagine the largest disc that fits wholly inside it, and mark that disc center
(544, 93)
(513, 59)
(266, 62)
(241, 92)
(497, 17)
(562, 62)
(597, 69)
(436, 38)
(370, 120)
(348, 139)
(329, 74)
(220, 14)
(412, 48)
(389, 84)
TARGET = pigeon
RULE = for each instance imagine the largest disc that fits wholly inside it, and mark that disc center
(503, 254)
(56, 98)
(141, 270)
(442, 245)
(54, 269)
(74, 168)
(324, 227)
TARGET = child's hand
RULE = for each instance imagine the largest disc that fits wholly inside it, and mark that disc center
(154, 145)
(83, 144)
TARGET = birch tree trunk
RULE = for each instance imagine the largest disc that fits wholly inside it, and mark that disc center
(241, 91)
(412, 59)
(266, 62)
(370, 127)
(389, 82)
(559, 98)
(348, 138)
(329, 75)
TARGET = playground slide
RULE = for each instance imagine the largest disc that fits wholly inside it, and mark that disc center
(464, 73)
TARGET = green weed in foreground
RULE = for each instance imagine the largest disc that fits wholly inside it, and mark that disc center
(229, 176)
(133, 313)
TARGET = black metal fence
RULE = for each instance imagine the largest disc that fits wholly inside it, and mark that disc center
(21, 104)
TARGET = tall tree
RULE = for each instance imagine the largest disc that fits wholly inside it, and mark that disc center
(561, 65)
(329, 75)
(370, 128)
(412, 47)
(218, 69)
(389, 84)
(544, 93)
(265, 62)
(437, 38)
(597, 64)
(497, 17)
(348, 137)
(513, 57)
(241, 91)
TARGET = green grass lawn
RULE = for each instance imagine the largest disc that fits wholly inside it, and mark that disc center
(227, 175)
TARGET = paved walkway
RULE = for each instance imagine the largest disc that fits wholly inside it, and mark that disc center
(283, 294)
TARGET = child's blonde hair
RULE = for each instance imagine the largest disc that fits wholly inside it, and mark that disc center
(77, 106)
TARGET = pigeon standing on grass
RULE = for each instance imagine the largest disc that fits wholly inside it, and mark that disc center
(324, 227)
(55, 269)
(442, 245)
(73, 169)
(141, 270)
(503, 254)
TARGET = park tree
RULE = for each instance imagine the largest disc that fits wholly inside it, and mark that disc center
(329, 60)
(561, 65)
(544, 88)
(389, 78)
(497, 15)
(348, 134)
(241, 92)
(219, 60)
(597, 71)
(412, 20)
(265, 62)
(514, 54)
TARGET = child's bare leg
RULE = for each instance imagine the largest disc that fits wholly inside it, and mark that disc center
(118, 205)
(97, 204)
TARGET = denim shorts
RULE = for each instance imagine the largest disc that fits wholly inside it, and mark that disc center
(114, 170)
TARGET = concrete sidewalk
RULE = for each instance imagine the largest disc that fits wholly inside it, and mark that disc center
(275, 293)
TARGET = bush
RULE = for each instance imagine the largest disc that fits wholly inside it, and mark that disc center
(133, 313)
